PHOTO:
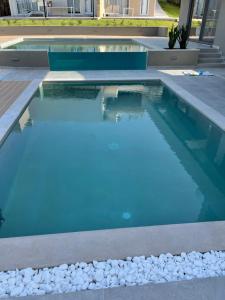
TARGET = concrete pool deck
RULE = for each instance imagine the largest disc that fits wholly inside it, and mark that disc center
(197, 289)
(37, 251)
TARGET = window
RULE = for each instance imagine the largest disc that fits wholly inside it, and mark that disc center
(144, 7)
(116, 6)
(88, 6)
(25, 6)
(74, 6)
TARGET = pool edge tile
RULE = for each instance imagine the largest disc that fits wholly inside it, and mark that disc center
(55, 249)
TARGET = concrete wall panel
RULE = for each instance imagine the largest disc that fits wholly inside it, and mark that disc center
(175, 57)
(79, 30)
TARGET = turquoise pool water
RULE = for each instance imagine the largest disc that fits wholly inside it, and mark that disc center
(80, 45)
(96, 156)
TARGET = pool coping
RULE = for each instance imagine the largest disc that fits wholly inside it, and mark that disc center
(54, 249)
(8, 119)
(204, 288)
(209, 112)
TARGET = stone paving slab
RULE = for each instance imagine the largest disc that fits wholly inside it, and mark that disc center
(197, 289)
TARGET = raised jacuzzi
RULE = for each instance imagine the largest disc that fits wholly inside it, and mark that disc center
(79, 54)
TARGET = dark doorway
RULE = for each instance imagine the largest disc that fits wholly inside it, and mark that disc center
(4, 8)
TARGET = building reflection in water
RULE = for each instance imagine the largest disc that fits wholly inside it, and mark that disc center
(199, 136)
(203, 140)
(198, 143)
(24, 121)
(124, 100)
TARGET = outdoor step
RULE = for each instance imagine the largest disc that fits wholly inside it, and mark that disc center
(209, 50)
(213, 65)
(210, 60)
(210, 55)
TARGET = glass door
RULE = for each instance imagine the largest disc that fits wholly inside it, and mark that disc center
(73, 6)
(209, 21)
(88, 9)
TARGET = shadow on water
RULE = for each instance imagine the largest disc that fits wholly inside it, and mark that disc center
(2, 220)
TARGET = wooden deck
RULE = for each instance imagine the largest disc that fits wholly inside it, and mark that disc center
(9, 91)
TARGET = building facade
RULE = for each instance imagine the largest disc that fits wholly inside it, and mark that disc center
(129, 8)
(97, 8)
(52, 7)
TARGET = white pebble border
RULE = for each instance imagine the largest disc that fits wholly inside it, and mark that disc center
(112, 273)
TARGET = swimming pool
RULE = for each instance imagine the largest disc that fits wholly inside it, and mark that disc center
(109, 155)
(79, 45)
(85, 54)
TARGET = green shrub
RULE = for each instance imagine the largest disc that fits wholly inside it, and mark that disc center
(183, 37)
(173, 36)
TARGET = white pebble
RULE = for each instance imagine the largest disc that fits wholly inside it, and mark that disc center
(136, 270)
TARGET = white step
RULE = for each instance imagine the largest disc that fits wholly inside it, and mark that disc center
(210, 60)
(209, 50)
(210, 55)
(211, 65)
